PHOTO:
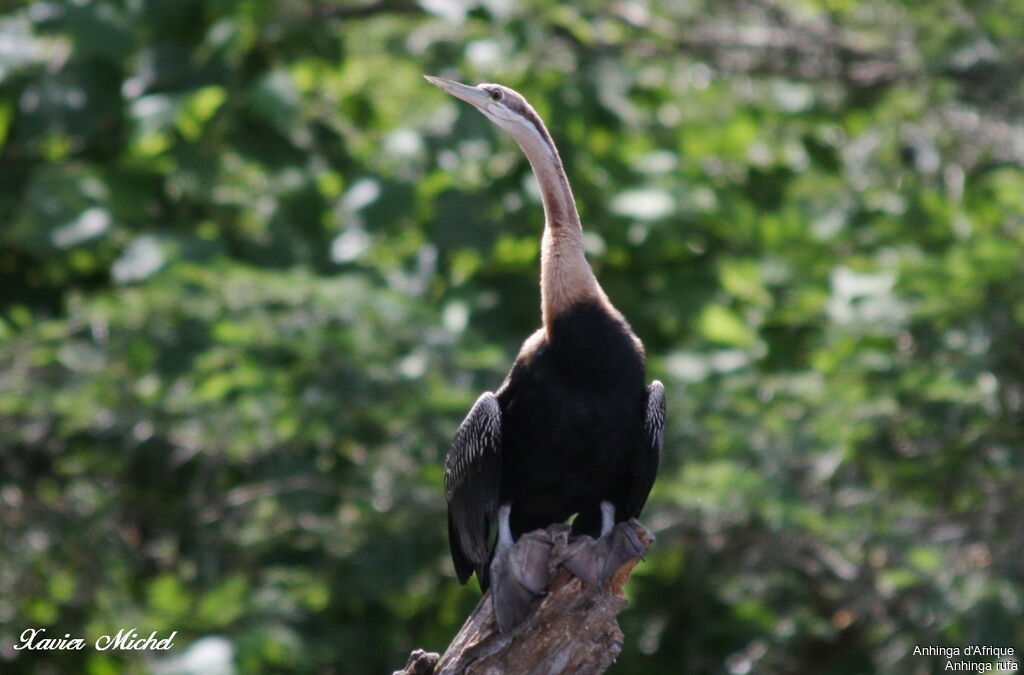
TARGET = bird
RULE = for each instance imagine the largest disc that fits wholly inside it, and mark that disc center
(572, 431)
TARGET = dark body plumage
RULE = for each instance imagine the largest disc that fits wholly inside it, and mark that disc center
(572, 414)
(577, 427)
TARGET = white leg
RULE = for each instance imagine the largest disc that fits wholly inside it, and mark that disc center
(504, 530)
(607, 517)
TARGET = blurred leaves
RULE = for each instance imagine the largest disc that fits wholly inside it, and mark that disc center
(255, 270)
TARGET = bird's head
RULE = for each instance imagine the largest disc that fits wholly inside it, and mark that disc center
(505, 107)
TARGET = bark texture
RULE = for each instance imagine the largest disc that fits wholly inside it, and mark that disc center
(571, 629)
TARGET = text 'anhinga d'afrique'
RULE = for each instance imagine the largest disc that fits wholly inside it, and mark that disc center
(572, 430)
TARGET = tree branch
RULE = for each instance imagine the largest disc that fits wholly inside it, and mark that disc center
(571, 629)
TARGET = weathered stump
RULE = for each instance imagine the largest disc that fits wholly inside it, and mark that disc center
(571, 629)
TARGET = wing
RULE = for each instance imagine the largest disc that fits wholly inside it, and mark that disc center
(645, 463)
(472, 483)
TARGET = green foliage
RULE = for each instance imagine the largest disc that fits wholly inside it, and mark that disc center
(255, 270)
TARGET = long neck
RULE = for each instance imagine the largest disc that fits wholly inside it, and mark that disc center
(565, 275)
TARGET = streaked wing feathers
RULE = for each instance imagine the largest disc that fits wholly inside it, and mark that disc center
(646, 466)
(472, 481)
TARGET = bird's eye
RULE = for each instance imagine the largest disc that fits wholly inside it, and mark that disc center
(496, 94)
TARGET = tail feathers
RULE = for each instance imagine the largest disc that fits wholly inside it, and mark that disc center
(464, 567)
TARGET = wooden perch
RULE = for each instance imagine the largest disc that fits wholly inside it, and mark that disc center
(571, 629)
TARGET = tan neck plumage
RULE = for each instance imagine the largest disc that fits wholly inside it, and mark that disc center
(565, 275)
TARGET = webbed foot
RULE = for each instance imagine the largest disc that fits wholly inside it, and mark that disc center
(519, 572)
(596, 560)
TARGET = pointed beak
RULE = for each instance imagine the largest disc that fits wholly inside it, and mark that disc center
(471, 95)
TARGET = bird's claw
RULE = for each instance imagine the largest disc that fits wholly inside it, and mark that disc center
(519, 574)
(596, 560)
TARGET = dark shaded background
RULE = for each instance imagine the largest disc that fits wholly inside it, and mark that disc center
(254, 271)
